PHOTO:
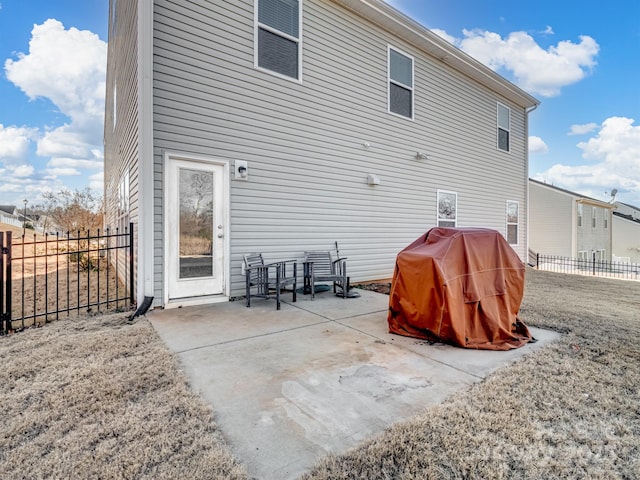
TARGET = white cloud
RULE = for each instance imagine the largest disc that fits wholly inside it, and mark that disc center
(96, 181)
(537, 70)
(23, 171)
(548, 31)
(60, 162)
(444, 35)
(582, 129)
(68, 67)
(537, 145)
(14, 141)
(613, 156)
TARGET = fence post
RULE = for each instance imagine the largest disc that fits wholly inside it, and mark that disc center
(593, 262)
(2, 329)
(131, 263)
(538, 261)
(8, 284)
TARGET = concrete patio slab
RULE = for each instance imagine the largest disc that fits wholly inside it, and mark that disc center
(289, 386)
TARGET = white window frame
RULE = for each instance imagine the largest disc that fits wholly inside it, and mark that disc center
(438, 219)
(517, 222)
(594, 217)
(580, 214)
(600, 254)
(115, 105)
(606, 218)
(124, 205)
(583, 254)
(257, 25)
(498, 128)
(395, 82)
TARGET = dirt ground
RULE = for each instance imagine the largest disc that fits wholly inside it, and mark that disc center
(100, 398)
(45, 279)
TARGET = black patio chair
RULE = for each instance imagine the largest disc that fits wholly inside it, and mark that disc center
(319, 266)
(263, 278)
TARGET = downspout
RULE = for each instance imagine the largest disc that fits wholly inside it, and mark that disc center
(145, 250)
(527, 111)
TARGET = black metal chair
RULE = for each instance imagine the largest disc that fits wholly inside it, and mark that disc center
(320, 267)
(266, 277)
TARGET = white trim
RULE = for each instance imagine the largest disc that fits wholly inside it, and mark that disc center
(438, 192)
(175, 155)
(146, 214)
(395, 82)
(517, 224)
(498, 128)
(257, 24)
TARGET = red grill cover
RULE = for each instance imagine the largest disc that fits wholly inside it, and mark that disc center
(462, 286)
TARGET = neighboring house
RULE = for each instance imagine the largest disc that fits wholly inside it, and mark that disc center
(279, 126)
(626, 236)
(567, 224)
(10, 215)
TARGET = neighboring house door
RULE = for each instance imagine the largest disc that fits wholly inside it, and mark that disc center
(196, 227)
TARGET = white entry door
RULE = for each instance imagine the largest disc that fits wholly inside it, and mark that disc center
(195, 228)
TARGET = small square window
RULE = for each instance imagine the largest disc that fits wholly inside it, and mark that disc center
(447, 209)
(512, 222)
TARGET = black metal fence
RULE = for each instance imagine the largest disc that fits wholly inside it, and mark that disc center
(63, 274)
(587, 266)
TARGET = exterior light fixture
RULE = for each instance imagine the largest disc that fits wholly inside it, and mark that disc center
(422, 156)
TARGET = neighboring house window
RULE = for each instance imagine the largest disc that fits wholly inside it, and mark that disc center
(583, 255)
(601, 255)
(504, 127)
(593, 217)
(400, 81)
(447, 209)
(278, 39)
(512, 222)
(606, 218)
(123, 208)
(580, 211)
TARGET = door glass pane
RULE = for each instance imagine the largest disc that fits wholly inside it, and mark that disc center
(196, 223)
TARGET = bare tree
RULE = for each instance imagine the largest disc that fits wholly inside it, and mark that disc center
(75, 210)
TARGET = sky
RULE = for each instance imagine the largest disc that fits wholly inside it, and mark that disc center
(580, 59)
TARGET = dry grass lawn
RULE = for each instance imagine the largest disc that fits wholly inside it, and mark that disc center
(99, 398)
(103, 399)
(571, 410)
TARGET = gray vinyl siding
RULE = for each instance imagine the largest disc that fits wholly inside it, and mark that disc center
(304, 142)
(551, 221)
(121, 142)
(626, 238)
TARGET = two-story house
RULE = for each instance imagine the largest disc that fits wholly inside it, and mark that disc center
(279, 126)
(566, 224)
(626, 237)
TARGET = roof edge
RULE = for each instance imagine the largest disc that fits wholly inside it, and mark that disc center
(396, 22)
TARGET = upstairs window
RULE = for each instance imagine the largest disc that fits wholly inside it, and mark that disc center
(447, 209)
(504, 127)
(606, 218)
(512, 222)
(278, 39)
(580, 207)
(400, 72)
(594, 217)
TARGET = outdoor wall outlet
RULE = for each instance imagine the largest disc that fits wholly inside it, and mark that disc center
(373, 179)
